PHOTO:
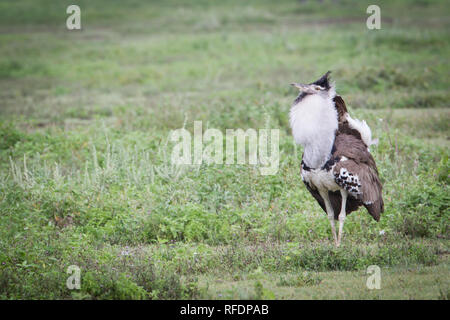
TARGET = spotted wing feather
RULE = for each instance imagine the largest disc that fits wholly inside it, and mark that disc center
(358, 173)
(335, 200)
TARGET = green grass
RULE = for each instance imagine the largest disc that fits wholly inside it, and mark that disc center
(85, 176)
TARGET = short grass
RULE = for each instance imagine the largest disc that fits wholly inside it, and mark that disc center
(85, 173)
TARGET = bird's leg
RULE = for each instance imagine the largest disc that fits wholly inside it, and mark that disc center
(342, 214)
(330, 213)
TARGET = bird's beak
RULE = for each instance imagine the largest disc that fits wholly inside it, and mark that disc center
(301, 87)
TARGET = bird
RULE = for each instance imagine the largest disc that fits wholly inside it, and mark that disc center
(337, 167)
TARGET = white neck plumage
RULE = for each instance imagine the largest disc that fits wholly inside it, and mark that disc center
(314, 123)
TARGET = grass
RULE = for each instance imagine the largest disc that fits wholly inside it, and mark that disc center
(412, 283)
(85, 173)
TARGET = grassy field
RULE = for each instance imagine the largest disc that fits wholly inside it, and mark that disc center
(85, 172)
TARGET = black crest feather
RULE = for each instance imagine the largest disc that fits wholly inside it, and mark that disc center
(324, 81)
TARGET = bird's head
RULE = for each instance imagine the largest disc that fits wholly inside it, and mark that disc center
(322, 86)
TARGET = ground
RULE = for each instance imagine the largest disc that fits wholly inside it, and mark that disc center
(85, 171)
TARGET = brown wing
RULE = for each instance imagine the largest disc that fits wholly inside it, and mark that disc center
(358, 174)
